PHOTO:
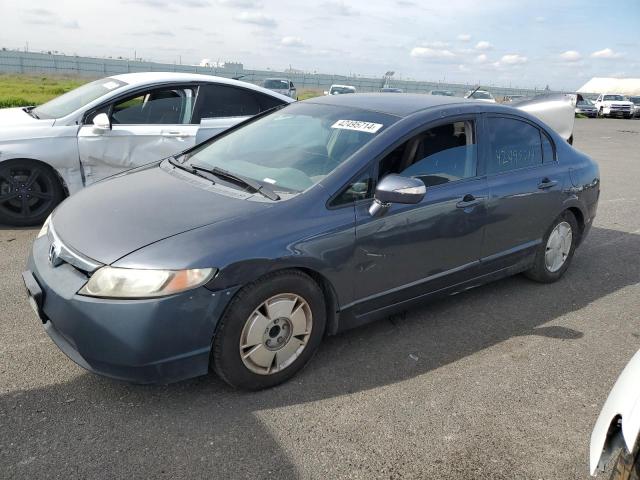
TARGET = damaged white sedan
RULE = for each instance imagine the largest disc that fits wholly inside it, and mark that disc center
(110, 125)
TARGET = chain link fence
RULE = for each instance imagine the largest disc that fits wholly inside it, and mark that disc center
(17, 62)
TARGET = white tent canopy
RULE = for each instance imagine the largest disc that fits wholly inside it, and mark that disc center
(624, 86)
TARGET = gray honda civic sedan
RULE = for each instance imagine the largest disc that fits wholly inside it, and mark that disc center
(240, 254)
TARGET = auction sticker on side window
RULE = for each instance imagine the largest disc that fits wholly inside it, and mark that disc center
(357, 125)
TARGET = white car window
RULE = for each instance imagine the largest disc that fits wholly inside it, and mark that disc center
(167, 106)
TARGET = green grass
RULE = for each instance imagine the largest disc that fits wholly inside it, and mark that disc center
(304, 94)
(23, 90)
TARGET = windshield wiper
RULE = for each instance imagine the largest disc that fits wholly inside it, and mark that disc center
(190, 169)
(255, 185)
(30, 111)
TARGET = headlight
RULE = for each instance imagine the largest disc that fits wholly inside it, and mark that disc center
(45, 227)
(134, 283)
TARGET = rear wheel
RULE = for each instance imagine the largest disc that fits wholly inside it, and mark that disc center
(556, 250)
(270, 330)
(29, 191)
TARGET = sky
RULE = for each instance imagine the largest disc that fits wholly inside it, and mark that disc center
(519, 43)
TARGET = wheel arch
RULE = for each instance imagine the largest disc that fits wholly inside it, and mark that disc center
(58, 175)
(256, 270)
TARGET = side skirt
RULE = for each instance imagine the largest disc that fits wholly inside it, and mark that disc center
(355, 316)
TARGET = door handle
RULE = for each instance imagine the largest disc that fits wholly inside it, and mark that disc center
(468, 201)
(175, 134)
(547, 183)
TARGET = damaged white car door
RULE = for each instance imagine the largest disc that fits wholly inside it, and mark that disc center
(135, 130)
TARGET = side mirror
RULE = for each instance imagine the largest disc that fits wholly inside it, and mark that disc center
(101, 123)
(397, 189)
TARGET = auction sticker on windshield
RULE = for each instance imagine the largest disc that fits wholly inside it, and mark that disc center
(357, 125)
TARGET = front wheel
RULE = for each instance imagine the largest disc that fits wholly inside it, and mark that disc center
(627, 466)
(269, 331)
(556, 250)
(29, 191)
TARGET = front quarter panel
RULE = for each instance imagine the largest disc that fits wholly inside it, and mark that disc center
(296, 233)
(55, 145)
(623, 402)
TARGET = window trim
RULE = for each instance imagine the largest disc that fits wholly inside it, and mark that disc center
(374, 164)
(137, 91)
(486, 150)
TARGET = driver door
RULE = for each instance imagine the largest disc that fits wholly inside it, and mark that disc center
(145, 127)
(411, 250)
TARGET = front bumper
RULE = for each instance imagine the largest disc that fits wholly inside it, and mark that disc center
(159, 340)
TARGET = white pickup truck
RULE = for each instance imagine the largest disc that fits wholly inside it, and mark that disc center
(613, 104)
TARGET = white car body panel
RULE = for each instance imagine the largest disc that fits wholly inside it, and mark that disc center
(556, 110)
(82, 156)
(623, 402)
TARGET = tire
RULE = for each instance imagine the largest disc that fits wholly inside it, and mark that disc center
(249, 326)
(627, 466)
(29, 191)
(542, 271)
(601, 113)
(570, 140)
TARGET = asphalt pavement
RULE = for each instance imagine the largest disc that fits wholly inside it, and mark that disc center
(502, 382)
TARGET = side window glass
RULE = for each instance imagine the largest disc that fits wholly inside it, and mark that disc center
(219, 101)
(548, 154)
(360, 189)
(513, 144)
(266, 102)
(443, 154)
(157, 107)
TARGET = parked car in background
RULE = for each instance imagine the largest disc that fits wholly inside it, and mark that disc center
(109, 125)
(636, 105)
(614, 105)
(241, 254)
(615, 438)
(340, 89)
(391, 90)
(282, 86)
(587, 108)
(481, 95)
(443, 93)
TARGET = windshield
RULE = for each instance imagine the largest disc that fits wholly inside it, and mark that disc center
(614, 97)
(294, 147)
(585, 103)
(71, 101)
(340, 90)
(276, 84)
(635, 100)
(481, 94)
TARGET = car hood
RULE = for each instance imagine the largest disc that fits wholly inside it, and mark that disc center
(618, 103)
(14, 117)
(126, 213)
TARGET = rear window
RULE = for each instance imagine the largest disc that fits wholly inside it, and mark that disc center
(514, 144)
(276, 84)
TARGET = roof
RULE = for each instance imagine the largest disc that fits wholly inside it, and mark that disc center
(145, 78)
(401, 105)
(623, 86)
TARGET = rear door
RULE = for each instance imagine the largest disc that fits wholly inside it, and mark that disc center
(146, 126)
(525, 187)
(219, 107)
